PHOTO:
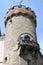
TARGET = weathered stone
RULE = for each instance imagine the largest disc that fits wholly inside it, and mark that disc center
(16, 51)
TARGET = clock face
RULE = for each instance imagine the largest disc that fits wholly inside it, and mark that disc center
(25, 37)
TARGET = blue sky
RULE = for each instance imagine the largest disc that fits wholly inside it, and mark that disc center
(36, 5)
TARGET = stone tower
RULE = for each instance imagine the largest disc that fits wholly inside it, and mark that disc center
(21, 47)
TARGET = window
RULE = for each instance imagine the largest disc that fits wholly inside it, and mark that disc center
(28, 62)
(22, 50)
(5, 59)
(26, 38)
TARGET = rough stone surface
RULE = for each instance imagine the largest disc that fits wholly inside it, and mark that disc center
(14, 29)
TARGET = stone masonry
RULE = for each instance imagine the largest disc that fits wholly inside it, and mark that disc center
(21, 46)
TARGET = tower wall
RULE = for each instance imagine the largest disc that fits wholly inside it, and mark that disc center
(18, 51)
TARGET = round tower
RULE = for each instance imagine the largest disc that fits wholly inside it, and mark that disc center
(21, 41)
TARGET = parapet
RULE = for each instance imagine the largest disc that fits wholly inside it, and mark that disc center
(20, 10)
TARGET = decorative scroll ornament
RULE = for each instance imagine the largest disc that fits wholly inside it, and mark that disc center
(25, 37)
(26, 40)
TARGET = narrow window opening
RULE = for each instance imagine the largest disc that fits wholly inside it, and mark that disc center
(26, 38)
(28, 62)
(11, 21)
(22, 50)
(5, 59)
